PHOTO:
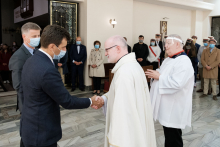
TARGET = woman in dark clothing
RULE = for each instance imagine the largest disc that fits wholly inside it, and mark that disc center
(191, 51)
(5, 56)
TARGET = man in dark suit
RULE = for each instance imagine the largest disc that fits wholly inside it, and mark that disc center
(77, 55)
(196, 59)
(129, 48)
(44, 91)
(141, 51)
(160, 44)
(61, 65)
(31, 38)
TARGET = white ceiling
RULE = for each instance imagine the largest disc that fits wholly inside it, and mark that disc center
(184, 4)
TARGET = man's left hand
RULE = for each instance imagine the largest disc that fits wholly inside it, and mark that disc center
(208, 68)
(59, 64)
(152, 74)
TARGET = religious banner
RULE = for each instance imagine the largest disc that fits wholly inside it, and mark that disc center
(163, 28)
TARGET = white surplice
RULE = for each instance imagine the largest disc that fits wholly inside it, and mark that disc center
(129, 120)
(171, 95)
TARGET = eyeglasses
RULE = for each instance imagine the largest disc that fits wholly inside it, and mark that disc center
(106, 50)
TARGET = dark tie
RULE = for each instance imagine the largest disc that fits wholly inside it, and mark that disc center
(34, 51)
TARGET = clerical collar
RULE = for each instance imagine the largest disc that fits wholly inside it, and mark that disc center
(121, 57)
(178, 54)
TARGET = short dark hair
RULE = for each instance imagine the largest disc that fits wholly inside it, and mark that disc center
(97, 42)
(53, 34)
(141, 36)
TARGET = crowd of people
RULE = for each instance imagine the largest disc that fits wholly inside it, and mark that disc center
(5, 54)
(41, 88)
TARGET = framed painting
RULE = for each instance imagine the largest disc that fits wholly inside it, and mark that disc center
(163, 28)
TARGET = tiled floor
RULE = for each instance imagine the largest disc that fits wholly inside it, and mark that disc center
(85, 128)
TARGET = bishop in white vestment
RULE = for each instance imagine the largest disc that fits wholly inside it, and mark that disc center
(171, 92)
(129, 120)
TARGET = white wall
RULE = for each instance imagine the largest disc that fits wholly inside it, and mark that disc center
(197, 25)
(147, 19)
(99, 12)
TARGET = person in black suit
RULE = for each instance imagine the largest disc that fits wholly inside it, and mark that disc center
(141, 51)
(160, 44)
(129, 48)
(43, 92)
(31, 38)
(77, 55)
(61, 65)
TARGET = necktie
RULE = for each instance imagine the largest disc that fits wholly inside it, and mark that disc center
(34, 51)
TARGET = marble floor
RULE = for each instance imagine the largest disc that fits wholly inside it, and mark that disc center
(85, 128)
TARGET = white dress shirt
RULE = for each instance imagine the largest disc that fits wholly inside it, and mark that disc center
(78, 50)
(47, 55)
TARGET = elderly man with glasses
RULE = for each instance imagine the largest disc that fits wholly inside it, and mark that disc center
(129, 120)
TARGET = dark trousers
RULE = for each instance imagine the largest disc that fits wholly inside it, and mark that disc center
(196, 71)
(97, 83)
(5, 75)
(173, 137)
(155, 65)
(77, 69)
(24, 145)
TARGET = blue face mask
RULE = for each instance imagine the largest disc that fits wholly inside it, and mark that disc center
(211, 45)
(152, 43)
(78, 42)
(61, 55)
(97, 46)
(34, 42)
(205, 44)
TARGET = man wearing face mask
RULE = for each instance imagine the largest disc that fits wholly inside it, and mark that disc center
(77, 55)
(199, 55)
(160, 44)
(31, 38)
(141, 51)
(44, 92)
(210, 61)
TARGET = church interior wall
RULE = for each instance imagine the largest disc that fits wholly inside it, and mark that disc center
(99, 13)
(147, 19)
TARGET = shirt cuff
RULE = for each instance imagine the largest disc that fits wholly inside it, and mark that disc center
(104, 98)
(73, 61)
(81, 61)
(90, 102)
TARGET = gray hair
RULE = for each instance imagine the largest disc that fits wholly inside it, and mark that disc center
(177, 36)
(29, 26)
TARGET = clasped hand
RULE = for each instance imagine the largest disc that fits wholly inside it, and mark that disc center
(78, 63)
(140, 59)
(208, 68)
(97, 102)
(94, 66)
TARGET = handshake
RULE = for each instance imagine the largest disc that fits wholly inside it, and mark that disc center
(97, 102)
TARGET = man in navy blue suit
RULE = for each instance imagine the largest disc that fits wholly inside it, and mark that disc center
(43, 92)
(197, 61)
(77, 55)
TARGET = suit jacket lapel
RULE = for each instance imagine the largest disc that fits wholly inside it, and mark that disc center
(26, 51)
(214, 50)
